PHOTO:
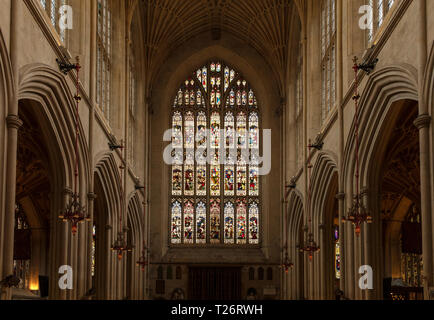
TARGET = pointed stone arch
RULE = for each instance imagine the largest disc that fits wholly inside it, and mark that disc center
(325, 183)
(379, 108)
(296, 281)
(44, 94)
(106, 217)
(49, 88)
(136, 237)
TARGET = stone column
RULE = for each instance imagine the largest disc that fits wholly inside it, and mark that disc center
(423, 123)
(322, 280)
(341, 198)
(13, 124)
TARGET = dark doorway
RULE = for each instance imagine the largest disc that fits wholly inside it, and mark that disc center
(214, 283)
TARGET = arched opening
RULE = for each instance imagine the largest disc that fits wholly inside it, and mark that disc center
(101, 240)
(332, 251)
(400, 206)
(301, 276)
(33, 205)
(130, 262)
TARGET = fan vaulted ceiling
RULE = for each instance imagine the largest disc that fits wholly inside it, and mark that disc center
(264, 24)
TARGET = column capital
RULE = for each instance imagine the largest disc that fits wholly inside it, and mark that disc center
(340, 196)
(13, 122)
(91, 196)
(422, 121)
(67, 191)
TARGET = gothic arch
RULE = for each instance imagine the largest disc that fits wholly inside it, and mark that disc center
(324, 169)
(384, 90)
(44, 96)
(135, 276)
(47, 87)
(108, 206)
(384, 87)
(324, 190)
(7, 89)
(428, 85)
(428, 96)
(107, 171)
(295, 283)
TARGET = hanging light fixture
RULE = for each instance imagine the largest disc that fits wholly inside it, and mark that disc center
(357, 214)
(74, 212)
(120, 246)
(143, 260)
(287, 264)
(310, 246)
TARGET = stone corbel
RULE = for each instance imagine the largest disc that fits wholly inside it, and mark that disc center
(91, 196)
(13, 122)
(423, 121)
(340, 196)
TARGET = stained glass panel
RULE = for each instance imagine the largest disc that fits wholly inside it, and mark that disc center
(177, 180)
(253, 223)
(189, 131)
(241, 222)
(229, 217)
(241, 130)
(176, 222)
(241, 181)
(189, 181)
(253, 182)
(215, 221)
(253, 131)
(215, 180)
(229, 130)
(215, 130)
(188, 221)
(201, 181)
(201, 222)
(229, 181)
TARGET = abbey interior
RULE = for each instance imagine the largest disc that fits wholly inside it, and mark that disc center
(216, 149)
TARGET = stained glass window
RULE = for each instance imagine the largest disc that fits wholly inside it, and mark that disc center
(381, 9)
(103, 77)
(132, 111)
(22, 257)
(328, 56)
(299, 107)
(215, 179)
(337, 253)
(93, 249)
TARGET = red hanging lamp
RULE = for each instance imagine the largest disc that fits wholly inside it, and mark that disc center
(357, 214)
(286, 263)
(74, 212)
(310, 246)
(143, 260)
(120, 246)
